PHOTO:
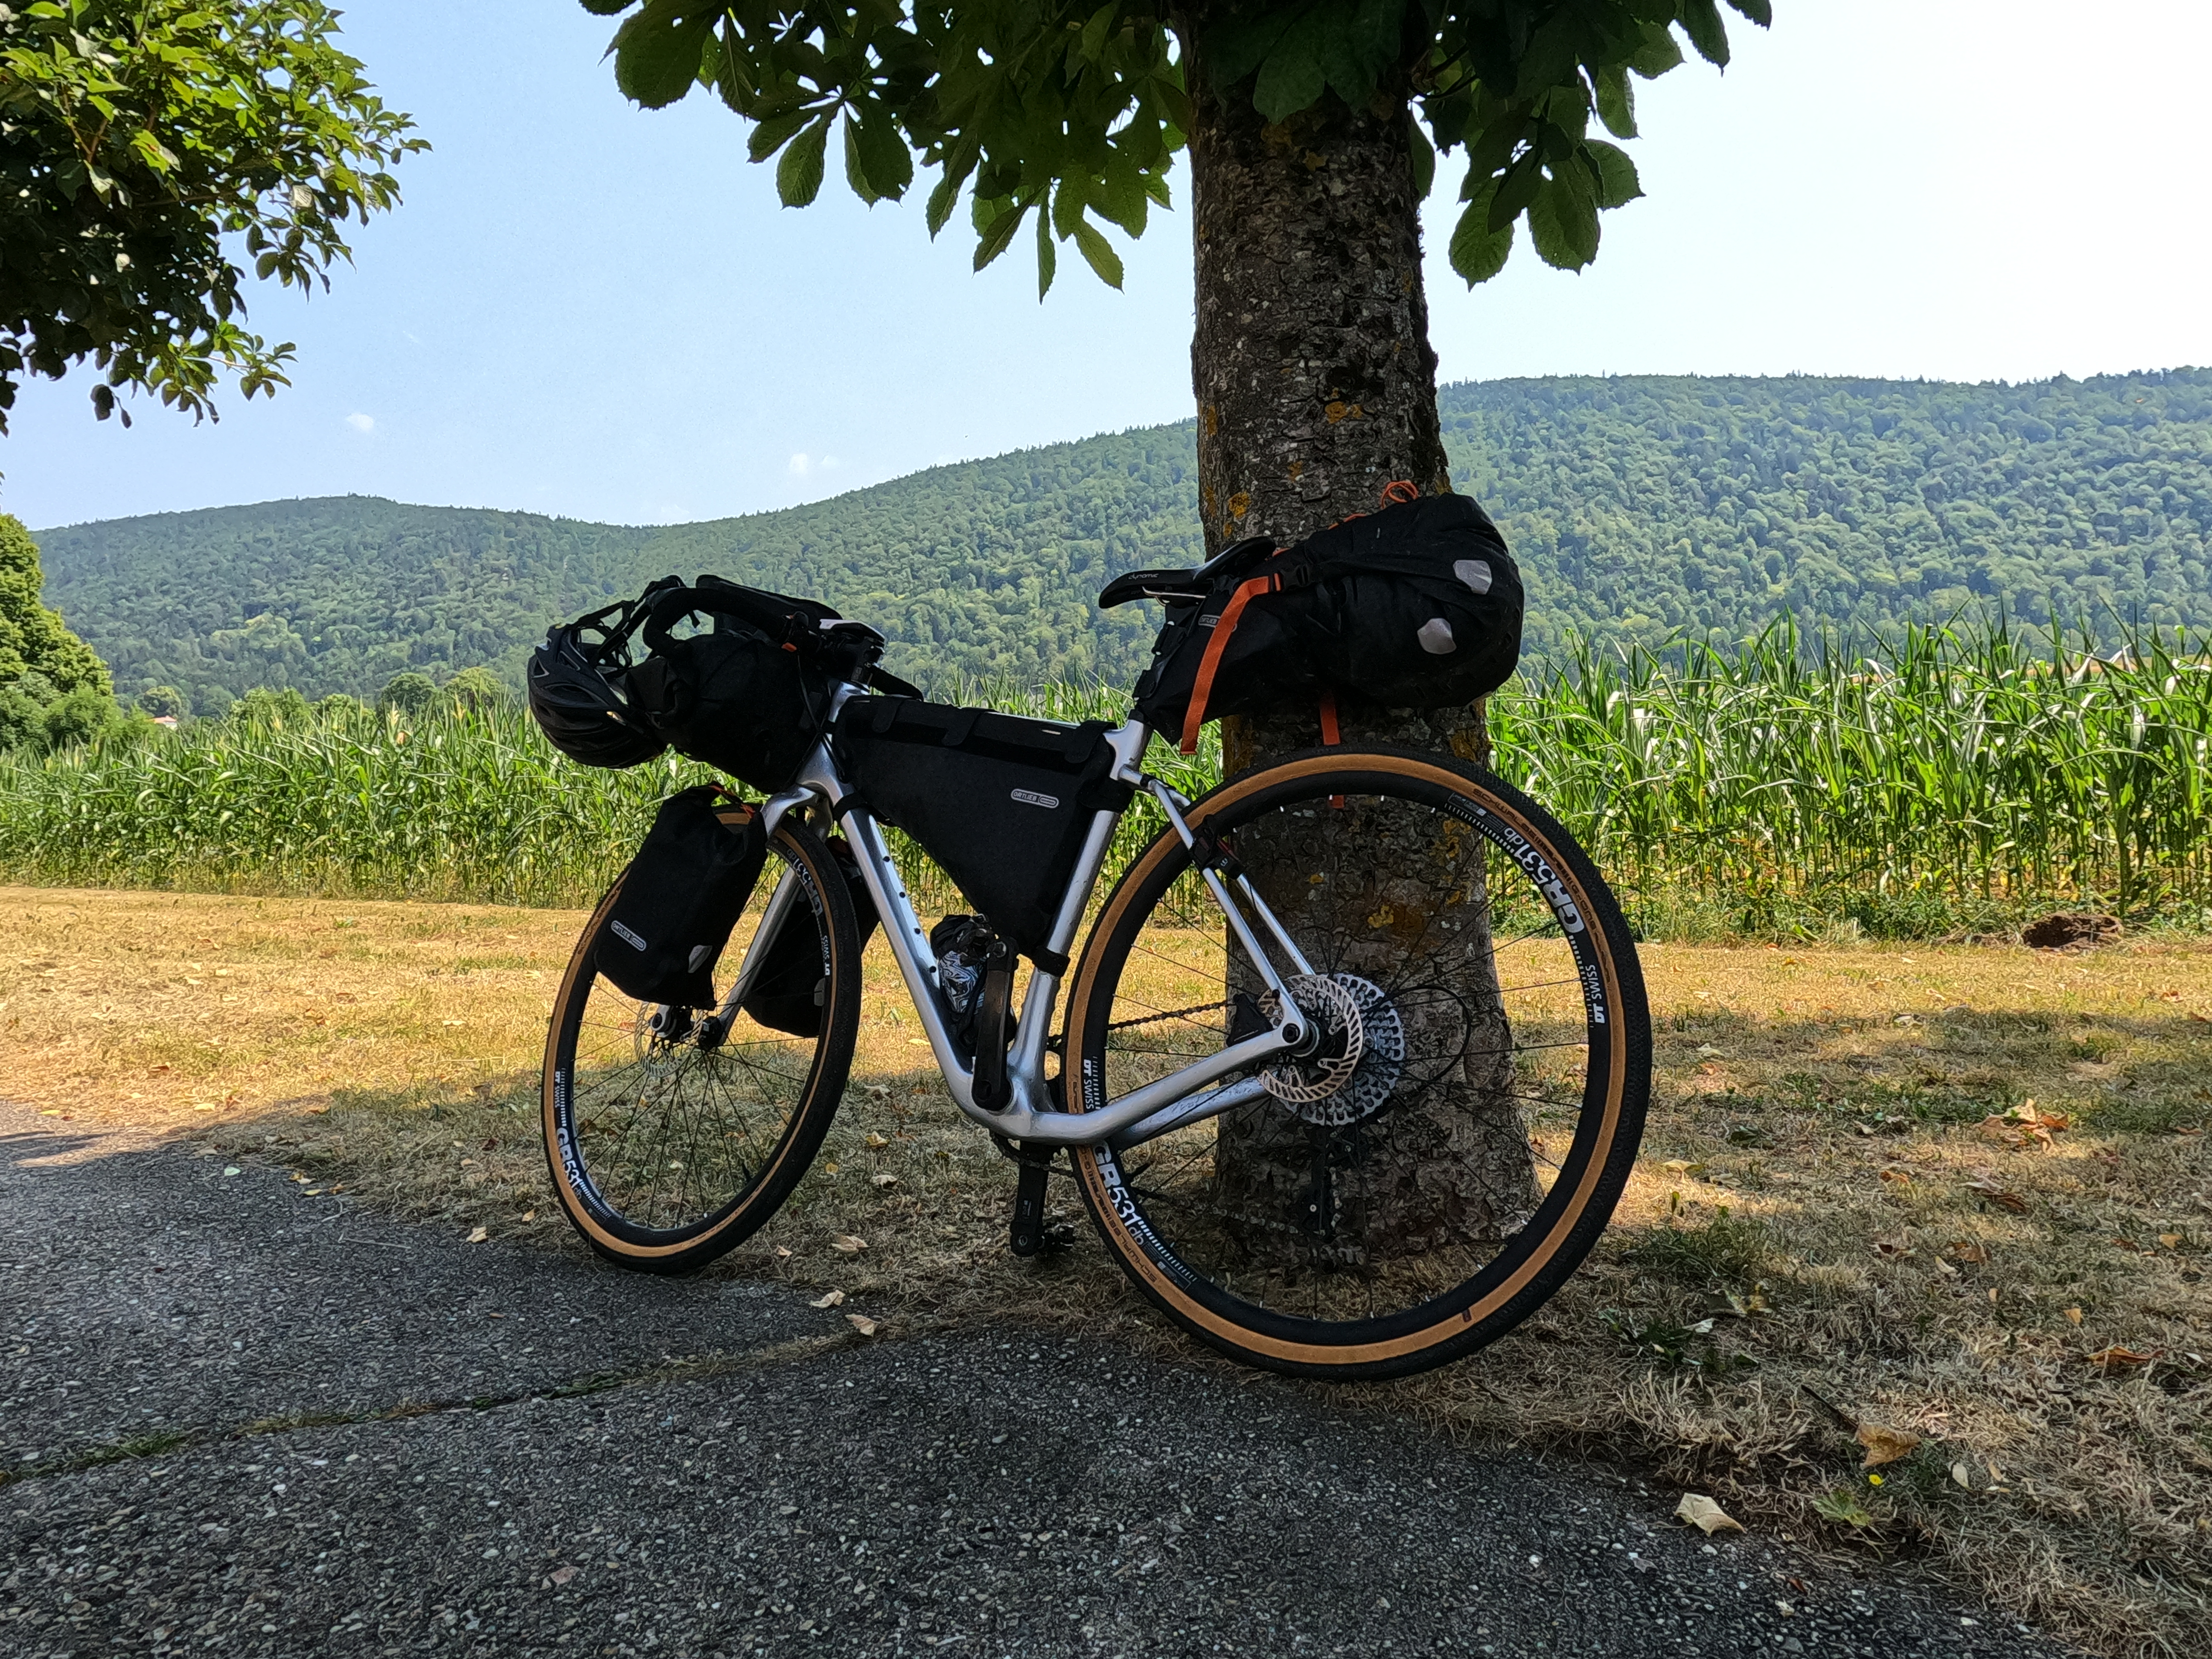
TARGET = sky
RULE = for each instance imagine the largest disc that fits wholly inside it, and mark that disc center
(597, 312)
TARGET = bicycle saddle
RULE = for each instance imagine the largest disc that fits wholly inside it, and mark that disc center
(1186, 585)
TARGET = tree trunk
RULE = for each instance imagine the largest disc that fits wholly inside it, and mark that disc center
(1316, 387)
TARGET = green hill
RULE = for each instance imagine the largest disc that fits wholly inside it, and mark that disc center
(1641, 504)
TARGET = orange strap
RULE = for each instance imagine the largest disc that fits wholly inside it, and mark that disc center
(1329, 734)
(1224, 626)
(1399, 491)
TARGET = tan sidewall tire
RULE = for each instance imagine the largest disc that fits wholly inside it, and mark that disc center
(802, 1137)
(1597, 1188)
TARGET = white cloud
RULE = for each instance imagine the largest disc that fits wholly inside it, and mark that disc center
(364, 424)
(802, 464)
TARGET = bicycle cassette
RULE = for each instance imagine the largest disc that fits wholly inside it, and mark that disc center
(1363, 1050)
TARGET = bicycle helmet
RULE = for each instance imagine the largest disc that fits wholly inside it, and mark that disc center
(574, 696)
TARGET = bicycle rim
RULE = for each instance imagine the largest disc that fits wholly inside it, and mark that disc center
(1381, 1210)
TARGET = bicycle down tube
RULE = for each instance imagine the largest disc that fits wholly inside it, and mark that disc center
(1183, 1097)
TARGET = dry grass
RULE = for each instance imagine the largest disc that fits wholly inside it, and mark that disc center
(1818, 1181)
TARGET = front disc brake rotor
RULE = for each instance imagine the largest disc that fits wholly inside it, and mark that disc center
(1362, 1048)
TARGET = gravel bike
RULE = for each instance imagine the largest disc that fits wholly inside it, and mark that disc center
(1351, 1066)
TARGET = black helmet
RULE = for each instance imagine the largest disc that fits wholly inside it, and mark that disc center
(573, 692)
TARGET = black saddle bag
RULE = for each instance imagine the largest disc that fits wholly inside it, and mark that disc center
(1001, 803)
(1416, 606)
(681, 895)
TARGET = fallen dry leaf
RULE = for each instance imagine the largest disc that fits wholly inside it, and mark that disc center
(1707, 1516)
(1884, 1444)
(783, 1253)
(875, 1143)
(1965, 1249)
(862, 1323)
(884, 1180)
(848, 1244)
(1959, 1477)
(2171, 1241)
(1988, 1188)
(2074, 1315)
(2106, 1359)
(1901, 1177)
(477, 1234)
(832, 1299)
(1892, 1249)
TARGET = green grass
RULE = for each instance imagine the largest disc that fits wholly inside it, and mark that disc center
(1947, 781)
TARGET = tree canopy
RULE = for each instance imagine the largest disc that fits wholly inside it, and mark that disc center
(136, 137)
(1073, 111)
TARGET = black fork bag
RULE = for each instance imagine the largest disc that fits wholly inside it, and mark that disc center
(680, 897)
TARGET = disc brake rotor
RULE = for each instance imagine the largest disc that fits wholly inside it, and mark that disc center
(1363, 1050)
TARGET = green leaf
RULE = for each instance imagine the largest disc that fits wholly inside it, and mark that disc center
(1067, 207)
(854, 174)
(1701, 22)
(1616, 100)
(1047, 256)
(1099, 251)
(1658, 53)
(1515, 188)
(1563, 221)
(1367, 37)
(996, 233)
(1120, 195)
(1293, 77)
(1617, 183)
(774, 133)
(1478, 252)
(942, 200)
(607, 7)
(874, 145)
(658, 53)
(1757, 10)
(1095, 31)
(1423, 155)
(799, 174)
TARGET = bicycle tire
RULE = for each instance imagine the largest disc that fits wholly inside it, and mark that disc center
(1233, 1280)
(606, 1130)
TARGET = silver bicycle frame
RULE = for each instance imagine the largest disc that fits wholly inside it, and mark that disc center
(1188, 1096)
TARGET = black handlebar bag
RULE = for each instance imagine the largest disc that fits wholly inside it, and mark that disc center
(680, 897)
(1001, 803)
(1416, 606)
(751, 694)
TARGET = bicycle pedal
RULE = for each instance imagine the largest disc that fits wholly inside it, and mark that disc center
(1025, 1236)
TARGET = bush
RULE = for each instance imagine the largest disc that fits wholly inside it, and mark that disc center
(407, 694)
(163, 702)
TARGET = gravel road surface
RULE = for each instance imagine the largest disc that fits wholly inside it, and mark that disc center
(235, 1420)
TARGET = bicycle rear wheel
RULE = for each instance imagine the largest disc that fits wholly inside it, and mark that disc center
(671, 1139)
(1425, 1181)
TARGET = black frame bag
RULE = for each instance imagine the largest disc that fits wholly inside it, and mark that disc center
(1417, 605)
(680, 897)
(1001, 803)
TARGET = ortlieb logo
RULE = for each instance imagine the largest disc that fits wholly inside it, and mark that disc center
(625, 935)
(1031, 798)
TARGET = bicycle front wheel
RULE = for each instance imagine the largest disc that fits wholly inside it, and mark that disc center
(1424, 1180)
(672, 1138)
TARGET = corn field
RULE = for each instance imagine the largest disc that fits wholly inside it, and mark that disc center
(1945, 780)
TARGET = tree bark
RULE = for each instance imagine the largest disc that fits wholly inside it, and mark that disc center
(1316, 387)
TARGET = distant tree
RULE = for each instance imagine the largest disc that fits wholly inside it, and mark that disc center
(34, 639)
(476, 692)
(79, 717)
(272, 707)
(141, 142)
(339, 706)
(163, 702)
(212, 702)
(410, 693)
(1314, 128)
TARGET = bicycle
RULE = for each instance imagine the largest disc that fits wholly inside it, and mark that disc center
(1352, 1073)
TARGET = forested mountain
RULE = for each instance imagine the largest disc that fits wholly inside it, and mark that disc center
(1642, 504)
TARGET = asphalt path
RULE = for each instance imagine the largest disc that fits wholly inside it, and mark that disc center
(234, 1420)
